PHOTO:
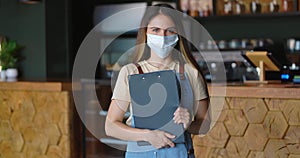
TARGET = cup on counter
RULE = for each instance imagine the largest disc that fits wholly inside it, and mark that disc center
(244, 43)
(234, 44)
(222, 44)
(293, 45)
(290, 44)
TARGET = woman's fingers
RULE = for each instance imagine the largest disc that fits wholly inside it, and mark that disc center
(168, 141)
(182, 115)
(160, 139)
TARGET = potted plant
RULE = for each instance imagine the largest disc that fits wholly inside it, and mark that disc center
(9, 58)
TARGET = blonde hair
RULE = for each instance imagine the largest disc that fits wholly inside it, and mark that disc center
(142, 51)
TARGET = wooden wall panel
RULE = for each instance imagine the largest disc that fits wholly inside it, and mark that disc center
(254, 128)
(35, 124)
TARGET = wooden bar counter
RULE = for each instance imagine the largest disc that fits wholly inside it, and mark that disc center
(256, 121)
(37, 120)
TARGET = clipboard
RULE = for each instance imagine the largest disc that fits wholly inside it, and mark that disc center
(154, 98)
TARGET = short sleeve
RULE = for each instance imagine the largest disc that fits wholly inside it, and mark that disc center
(121, 90)
(200, 88)
(198, 83)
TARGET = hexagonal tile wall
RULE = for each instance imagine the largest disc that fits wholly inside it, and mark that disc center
(275, 124)
(235, 122)
(256, 137)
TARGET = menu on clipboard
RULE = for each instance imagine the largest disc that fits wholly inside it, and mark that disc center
(154, 99)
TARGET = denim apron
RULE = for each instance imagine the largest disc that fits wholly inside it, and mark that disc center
(182, 150)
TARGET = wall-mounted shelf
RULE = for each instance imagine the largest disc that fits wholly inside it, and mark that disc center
(249, 16)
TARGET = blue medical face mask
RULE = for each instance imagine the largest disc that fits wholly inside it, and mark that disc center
(162, 45)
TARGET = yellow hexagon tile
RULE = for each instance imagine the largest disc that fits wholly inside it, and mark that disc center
(50, 106)
(53, 133)
(64, 123)
(5, 129)
(12, 155)
(30, 150)
(275, 124)
(5, 111)
(28, 108)
(218, 153)
(219, 108)
(237, 147)
(65, 146)
(235, 122)
(256, 137)
(15, 99)
(17, 141)
(6, 146)
(236, 103)
(55, 112)
(256, 154)
(292, 139)
(40, 100)
(35, 141)
(255, 110)
(3, 96)
(201, 151)
(64, 101)
(40, 122)
(20, 120)
(216, 137)
(275, 104)
(276, 148)
(292, 112)
(54, 152)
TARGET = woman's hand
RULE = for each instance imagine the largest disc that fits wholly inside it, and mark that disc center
(182, 115)
(160, 139)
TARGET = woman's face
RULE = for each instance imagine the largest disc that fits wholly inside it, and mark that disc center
(161, 25)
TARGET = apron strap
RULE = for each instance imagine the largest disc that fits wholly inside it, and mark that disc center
(138, 66)
(181, 71)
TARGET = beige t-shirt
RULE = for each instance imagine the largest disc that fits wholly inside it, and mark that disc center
(121, 90)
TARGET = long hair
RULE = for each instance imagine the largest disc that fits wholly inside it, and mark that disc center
(142, 51)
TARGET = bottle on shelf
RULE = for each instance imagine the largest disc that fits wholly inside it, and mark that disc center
(239, 7)
(201, 9)
(184, 6)
(228, 7)
(255, 6)
(193, 6)
(287, 5)
(274, 6)
(206, 11)
(204, 7)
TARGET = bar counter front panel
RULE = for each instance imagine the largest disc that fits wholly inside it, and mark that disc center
(38, 119)
(256, 121)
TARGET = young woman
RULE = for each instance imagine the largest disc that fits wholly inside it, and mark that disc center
(161, 46)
